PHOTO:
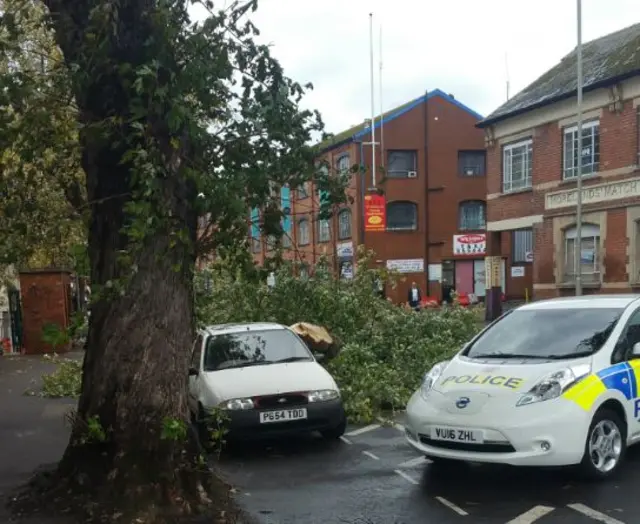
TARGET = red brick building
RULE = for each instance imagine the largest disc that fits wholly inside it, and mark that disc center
(430, 167)
(532, 159)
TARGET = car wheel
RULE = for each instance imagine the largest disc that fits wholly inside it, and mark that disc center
(335, 433)
(605, 447)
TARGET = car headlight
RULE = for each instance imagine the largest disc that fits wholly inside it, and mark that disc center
(431, 377)
(236, 404)
(322, 395)
(554, 384)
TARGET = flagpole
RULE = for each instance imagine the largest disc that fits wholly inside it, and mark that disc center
(577, 246)
(381, 106)
(373, 109)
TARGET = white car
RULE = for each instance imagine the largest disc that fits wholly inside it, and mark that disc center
(552, 383)
(267, 381)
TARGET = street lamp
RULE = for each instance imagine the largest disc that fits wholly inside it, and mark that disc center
(577, 246)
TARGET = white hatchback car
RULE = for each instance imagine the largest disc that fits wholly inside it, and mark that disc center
(551, 383)
(266, 379)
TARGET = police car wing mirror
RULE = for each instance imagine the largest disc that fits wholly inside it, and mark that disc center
(635, 351)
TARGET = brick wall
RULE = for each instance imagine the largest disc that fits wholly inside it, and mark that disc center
(45, 299)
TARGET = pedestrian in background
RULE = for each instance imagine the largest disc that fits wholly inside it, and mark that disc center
(415, 296)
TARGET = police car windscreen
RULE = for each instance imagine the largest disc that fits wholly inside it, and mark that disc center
(547, 333)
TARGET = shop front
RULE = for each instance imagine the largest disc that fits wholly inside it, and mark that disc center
(344, 252)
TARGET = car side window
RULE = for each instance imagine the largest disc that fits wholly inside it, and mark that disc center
(196, 353)
(629, 337)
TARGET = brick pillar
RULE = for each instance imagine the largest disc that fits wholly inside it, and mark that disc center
(493, 299)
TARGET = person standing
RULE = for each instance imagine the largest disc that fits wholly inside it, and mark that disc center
(415, 296)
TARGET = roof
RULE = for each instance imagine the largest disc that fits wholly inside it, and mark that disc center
(606, 61)
(225, 329)
(589, 301)
(359, 131)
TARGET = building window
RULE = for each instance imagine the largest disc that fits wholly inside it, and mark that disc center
(589, 150)
(343, 165)
(401, 164)
(344, 224)
(472, 215)
(286, 239)
(324, 230)
(303, 232)
(517, 166)
(255, 245)
(522, 245)
(589, 246)
(402, 216)
(303, 191)
(638, 136)
(471, 163)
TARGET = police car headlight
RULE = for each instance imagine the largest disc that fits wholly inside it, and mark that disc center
(431, 377)
(554, 384)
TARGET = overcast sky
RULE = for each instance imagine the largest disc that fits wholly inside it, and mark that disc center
(458, 46)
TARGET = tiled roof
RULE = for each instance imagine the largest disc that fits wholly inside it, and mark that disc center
(605, 61)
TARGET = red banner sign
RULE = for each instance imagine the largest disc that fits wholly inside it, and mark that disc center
(375, 215)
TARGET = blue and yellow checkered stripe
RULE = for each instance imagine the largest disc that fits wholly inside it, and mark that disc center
(623, 377)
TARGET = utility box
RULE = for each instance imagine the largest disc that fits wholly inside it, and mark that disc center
(46, 302)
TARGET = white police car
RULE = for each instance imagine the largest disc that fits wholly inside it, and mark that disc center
(552, 383)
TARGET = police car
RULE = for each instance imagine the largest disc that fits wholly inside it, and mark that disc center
(551, 383)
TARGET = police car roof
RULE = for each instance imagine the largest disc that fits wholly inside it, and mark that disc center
(589, 301)
(225, 329)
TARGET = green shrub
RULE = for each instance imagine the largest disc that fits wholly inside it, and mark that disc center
(65, 381)
(386, 349)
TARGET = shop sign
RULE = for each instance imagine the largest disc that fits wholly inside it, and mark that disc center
(472, 245)
(375, 215)
(344, 250)
(410, 265)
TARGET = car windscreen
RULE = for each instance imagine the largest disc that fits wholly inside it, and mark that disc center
(546, 333)
(251, 348)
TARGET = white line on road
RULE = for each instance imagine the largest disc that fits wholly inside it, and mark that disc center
(452, 506)
(370, 455)
(595, 515)
(360, 431)
(532, 515)
(406, 477)
(346, 440)
(418, 461)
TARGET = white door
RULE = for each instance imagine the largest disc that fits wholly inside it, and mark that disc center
(479, 279)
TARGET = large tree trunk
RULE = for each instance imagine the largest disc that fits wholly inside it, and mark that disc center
(135, 368)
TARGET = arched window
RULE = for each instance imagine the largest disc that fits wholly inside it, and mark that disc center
(324, 230)
(402, 216)
(471, 215)
(344, 224)
(303, 232)
(589, 246)
(343, 165)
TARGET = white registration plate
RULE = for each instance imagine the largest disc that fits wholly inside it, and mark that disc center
(283, 415)
(467, 436)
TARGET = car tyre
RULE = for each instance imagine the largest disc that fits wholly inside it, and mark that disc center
(605, 447)
(335, 433)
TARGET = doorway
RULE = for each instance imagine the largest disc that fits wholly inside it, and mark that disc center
(448, 280)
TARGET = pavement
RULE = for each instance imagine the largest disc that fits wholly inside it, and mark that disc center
(370, 476)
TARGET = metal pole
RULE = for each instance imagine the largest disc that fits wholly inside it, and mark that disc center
(373, 109)
(578, 241)
(381, 108)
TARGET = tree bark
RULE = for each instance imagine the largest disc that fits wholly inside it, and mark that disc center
(135, 367)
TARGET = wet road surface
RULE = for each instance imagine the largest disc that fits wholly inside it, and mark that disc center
(372, 477)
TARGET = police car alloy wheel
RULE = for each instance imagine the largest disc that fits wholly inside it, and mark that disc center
(606, 445)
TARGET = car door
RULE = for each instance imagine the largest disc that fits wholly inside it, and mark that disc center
(630, 382)
(195, 372)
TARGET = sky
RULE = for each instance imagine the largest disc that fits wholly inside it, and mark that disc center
(463, 47)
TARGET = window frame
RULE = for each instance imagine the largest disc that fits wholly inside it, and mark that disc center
(570, 233)
(595, 166)
(402, 229)
(507, 186)
(256, 245)
(302, 191)
(198, 345)
(324, 226)
(462, 205)
(345, 212)
(483, 167)
(514, 254)
(343, 169)
(401, 174)
(301, 241)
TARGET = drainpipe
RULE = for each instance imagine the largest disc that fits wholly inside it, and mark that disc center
(426, 220)
(362, 190)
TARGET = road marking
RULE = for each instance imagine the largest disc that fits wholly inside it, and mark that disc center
(595, 515)
(360, 431)
(406, 477)
(346, 440)
(371, 455)
(532, 515)
(452, 506)
(418, 461)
